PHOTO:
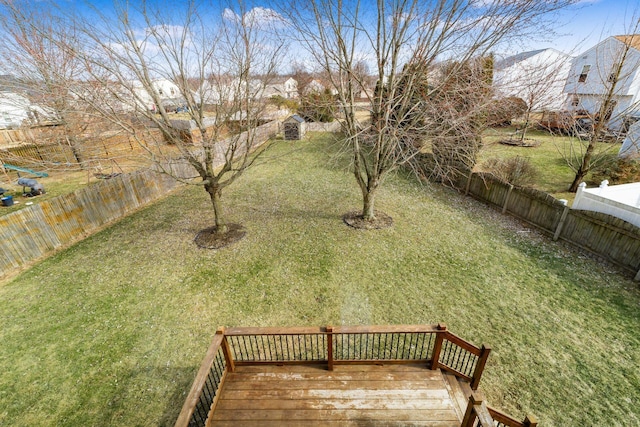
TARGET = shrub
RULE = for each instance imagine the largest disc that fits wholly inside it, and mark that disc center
(501, 112)
(518, 171)
(617, 171)
(318, 107)
(281, 102)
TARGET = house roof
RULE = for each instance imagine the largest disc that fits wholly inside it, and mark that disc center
(632, 40)
(519, 57)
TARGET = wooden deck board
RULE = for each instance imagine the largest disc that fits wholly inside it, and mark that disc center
(363, 395)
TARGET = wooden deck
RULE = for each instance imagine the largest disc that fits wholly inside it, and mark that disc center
(362, 395)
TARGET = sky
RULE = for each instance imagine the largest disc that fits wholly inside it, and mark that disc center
(577, 28)
(584, 25)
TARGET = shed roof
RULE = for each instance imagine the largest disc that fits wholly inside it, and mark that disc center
(295, 117)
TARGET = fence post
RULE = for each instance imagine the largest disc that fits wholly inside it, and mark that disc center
(482, 361)
(530, 421)
(506, 200)
(226, 350)
(437, 346)
(468, 186)
(563, 217)
(330, 348)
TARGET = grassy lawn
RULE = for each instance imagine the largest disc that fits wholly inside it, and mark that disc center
(112, 330)
(554, 175)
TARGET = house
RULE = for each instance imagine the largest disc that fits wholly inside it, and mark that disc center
(537, 77)
(168, 92)
(314, 86)
(227, 89)
(595, 72)
(17, 110)
(631, 144)
(14, 110)
(286, 87)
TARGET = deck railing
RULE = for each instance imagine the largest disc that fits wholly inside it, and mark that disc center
(478, 414)
(432, 345)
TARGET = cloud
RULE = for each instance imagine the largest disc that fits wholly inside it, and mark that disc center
(256, 17)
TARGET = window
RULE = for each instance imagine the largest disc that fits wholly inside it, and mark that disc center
(160, 92)
(583, 74)
(613, 77)
(173, 92)
(575, 101)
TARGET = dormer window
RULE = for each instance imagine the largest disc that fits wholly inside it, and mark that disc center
(583, 75)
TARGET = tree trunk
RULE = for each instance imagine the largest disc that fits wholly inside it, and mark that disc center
(584, 168)
(218, 216)
(368, 199)
(526, 125)
(585, 165)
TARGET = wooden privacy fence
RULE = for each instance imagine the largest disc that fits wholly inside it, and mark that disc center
(433, 345)
(14, 136)
(38, 230)
(116, 146)
(606, 236)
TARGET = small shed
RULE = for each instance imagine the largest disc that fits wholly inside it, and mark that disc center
(294, 128)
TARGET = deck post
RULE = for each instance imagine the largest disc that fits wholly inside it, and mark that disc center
(437, 346)
(530, 421)
(482, 361)
(469, 415)
(226, 350)
(477, 410)
(330, 348)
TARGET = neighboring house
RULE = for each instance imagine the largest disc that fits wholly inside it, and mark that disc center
(17, 110)
(314, 86)
(318, 86)
(593, 74)
(223, 89)
(537, 77)
(14, 110)
(631, 144)
(286, 87)
(168, 91)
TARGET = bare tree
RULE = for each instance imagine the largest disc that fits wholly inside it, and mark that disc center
(403, 41)
(600, 83)
(210, 67)
(536, 77)
(38, 49)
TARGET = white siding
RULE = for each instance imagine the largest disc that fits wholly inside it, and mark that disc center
(602, 60)
(538, 79)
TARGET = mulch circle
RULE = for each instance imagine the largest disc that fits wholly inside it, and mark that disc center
(518, 143)
(354, 219)
(209, 239)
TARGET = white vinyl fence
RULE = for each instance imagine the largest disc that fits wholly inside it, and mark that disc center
(621, 201)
